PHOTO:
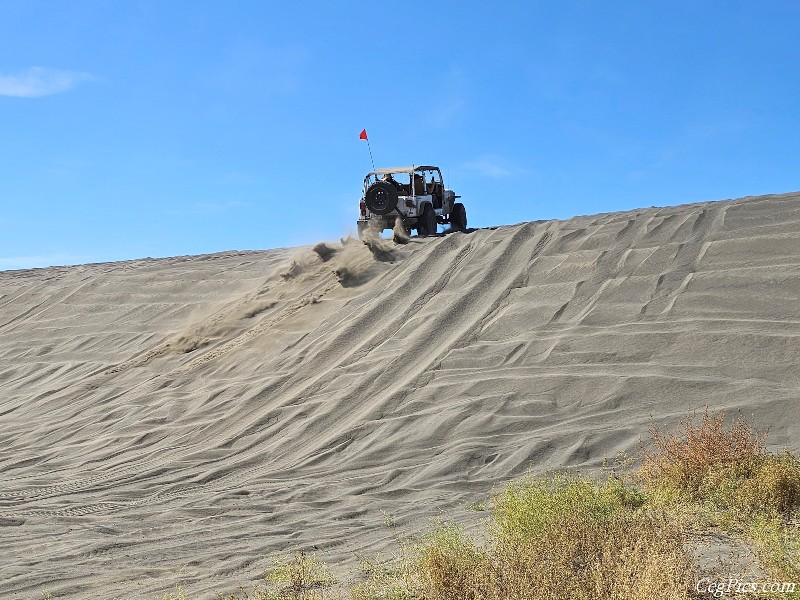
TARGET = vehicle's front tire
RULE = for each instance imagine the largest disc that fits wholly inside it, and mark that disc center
(426, 225)
(458, 217)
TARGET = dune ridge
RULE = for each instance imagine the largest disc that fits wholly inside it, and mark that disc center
(180, 419)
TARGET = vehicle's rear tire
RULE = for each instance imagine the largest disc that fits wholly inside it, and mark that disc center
(458, 217)
(381, 197)
(426, 225)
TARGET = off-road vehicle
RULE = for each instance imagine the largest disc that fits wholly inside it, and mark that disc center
(414, 194)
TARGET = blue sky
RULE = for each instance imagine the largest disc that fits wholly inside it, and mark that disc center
(151, 128)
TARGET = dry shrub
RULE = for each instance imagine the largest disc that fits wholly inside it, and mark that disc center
(304, 577)
(449, 565)
(776, 484)
(527, 506)
(727, 468)
(553, 538)
(730, 479)
(682, 461)
(628, 555)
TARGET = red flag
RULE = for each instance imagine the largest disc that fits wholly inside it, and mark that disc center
(363, 134)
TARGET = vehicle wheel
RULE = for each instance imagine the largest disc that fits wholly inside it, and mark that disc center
(458, 217)
(381, 197)
(427, 221)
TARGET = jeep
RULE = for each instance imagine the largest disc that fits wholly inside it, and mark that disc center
(415, 195)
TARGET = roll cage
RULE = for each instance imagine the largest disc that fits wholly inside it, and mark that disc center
(411, 181)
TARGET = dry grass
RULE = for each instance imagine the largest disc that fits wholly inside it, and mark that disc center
(301, 578)
(550, 537)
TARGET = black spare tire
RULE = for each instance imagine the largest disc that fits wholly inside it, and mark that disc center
(381, 197)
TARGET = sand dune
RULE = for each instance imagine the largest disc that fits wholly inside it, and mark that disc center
(181, 419)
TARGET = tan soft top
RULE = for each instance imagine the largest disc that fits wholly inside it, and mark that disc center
(410, 169)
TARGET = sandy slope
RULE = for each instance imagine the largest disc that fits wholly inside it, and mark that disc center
(181, 419)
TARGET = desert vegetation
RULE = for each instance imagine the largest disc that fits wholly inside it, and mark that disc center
(710, 476)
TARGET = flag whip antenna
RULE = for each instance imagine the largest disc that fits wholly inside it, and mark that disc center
(370, 155)
(363, 136)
